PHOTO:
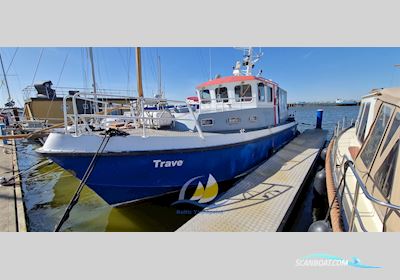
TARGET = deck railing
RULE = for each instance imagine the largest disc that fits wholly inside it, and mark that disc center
(83, 123)
(343, 166)
(30, 91)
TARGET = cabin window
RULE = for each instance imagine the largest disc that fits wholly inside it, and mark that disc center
(269, 94)
(261, 92)
(360, 113)
(363, 123)
(393, 128)
(243, 93)
(221, 94)
(385, 175)
(205, 96)
(85, 106)
(207, 122)
(253, 119)
(234, 120)
(376, 134)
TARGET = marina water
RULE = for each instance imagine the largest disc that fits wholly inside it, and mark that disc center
(48, 190)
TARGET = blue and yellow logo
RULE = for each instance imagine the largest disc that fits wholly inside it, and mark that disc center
(202, 195)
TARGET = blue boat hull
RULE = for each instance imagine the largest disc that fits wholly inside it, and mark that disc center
(124, 177)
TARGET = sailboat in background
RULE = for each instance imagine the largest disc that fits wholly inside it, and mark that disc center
(10, 113)
(47, 105)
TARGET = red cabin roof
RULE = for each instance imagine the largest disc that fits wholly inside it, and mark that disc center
(233, 79)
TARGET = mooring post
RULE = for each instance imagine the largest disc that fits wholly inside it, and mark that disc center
(320, 112)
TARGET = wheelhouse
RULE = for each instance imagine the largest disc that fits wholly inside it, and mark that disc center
(243, 92)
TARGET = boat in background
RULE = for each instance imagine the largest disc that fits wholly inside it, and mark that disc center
(241, 121)
(363, 166)
(44, 104)
(342, 102)
(10, 114)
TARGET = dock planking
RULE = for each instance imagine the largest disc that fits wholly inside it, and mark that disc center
(12, 213)
(263, 200)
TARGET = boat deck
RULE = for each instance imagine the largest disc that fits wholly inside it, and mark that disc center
(263, 200)
(12, 213)
(370, 218)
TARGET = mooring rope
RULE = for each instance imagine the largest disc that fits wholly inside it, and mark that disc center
(85, 177)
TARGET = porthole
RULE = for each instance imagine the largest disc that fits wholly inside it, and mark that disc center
(253, 118)
(207, 122)
(234, 120)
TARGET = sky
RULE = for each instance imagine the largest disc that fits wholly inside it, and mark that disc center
(308, 74)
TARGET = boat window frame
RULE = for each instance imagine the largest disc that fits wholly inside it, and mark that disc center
(253, 118)
(270, 97)
(367, 139)
(382, 156)
(359, 116)
(364, 117)
(264, 99)
(205, 100)
(207, 119)
(224, 99)
(242, 98)
(388, 139)
(393, 151)
(231, 121)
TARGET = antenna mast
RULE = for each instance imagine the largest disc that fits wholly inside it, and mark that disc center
(249, 61)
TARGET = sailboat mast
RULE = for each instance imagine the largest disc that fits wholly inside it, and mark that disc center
(160, 93)
(5, 79)
(139, 72)
(93, 79)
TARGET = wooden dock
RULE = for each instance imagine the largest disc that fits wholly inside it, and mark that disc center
(263, 200)
(12, 213)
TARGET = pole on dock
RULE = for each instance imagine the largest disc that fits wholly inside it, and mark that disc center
(320, 112)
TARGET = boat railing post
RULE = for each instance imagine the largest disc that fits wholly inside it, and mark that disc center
(75, 109)
(143, 118)
(353, 213)
(196, 122)
(65, 113)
